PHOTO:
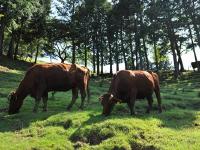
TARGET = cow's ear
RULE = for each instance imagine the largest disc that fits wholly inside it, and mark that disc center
(114, 99)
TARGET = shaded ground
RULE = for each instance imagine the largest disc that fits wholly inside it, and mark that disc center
(178, 127)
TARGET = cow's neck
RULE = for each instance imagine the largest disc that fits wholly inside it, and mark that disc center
(21, 92)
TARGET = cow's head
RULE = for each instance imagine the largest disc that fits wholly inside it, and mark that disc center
(14, 103)
(108, 101)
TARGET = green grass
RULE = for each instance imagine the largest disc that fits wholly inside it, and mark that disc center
(178, 127)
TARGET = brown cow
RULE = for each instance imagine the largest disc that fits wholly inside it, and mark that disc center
(127, 86)
(42, 78)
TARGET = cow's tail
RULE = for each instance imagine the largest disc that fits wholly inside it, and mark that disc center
(87, 86)
(88, 90)
(157, 89)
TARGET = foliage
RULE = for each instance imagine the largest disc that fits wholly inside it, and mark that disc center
(102, 33)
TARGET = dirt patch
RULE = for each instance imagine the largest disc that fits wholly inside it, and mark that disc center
(78, 145)
(66, 124)
(138, 146)
(119, 148)
(92, 136)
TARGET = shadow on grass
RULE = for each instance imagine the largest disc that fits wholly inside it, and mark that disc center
(175, 118)
(15, 64)
(12, 123)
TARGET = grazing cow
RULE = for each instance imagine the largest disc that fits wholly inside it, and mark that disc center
(127, 86)
(195, 64)
(42, 78)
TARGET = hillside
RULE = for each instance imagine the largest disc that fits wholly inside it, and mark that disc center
(178, 127)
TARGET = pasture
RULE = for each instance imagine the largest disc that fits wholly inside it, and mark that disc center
(178, 127)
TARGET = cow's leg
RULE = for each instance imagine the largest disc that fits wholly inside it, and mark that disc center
(39, 94)
(150, 102)
(45, 98)
(74, 97)
(157, 92)
(131, 103)
(83, 95)
(37, 102)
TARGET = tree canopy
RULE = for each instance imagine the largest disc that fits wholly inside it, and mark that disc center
(101, 32)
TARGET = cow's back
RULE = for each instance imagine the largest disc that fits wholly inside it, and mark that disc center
(53, 76)
(128, 81)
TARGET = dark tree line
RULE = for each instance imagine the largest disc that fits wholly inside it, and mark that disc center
(100, 33)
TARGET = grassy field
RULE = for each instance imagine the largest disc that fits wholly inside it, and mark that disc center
(178, 127)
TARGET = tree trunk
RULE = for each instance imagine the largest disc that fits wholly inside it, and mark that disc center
(4, 10)
(145, 52)
(17, 47)
(62, 60)
(1, 37)
(122, 46)
(11, 47)
(155, 51)
(93, 56)
(73, 51)
(137, 50)
(37, 52)
(73, 38)
(97, 55)
(194, 22)
(101, 55)
(140, 54)
(137, 44)
(179, 57)
(110, 57)
(85, 47)
(193, 47)
(176, 70)
(132, 53)
(117, 53)
(172, 39)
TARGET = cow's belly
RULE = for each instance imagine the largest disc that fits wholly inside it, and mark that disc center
(127, 95)
(141, 94)
(59, 88)
(60, 84)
